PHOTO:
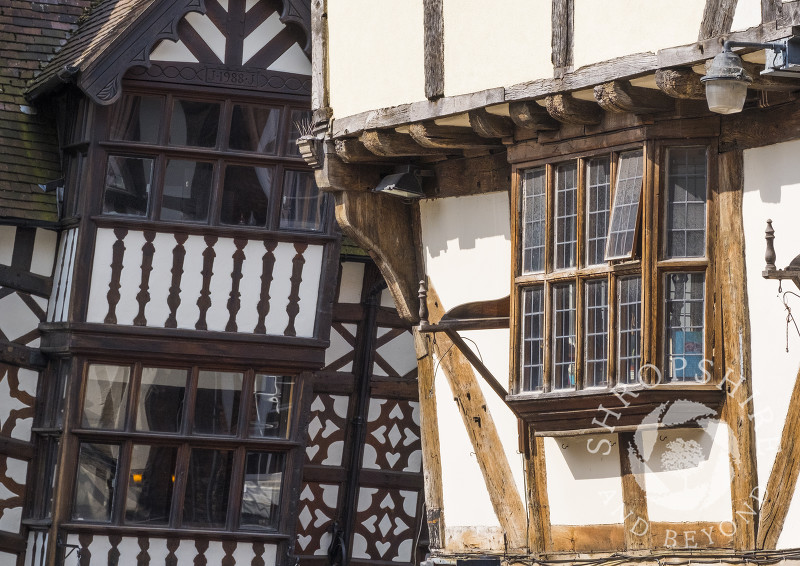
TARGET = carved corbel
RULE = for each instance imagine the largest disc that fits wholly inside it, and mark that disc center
(680, 83)
(621, 96)
(569, 110)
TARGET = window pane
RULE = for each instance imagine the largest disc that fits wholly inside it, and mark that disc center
(564, 336)
(299, 124)
(95, 481)
(533, 338)
(566, 215)
(194, 123)
(127, 185)
(596, 333)
(598, 187)
(208, 480)
(685, 316)
(686, 207)
(303, 203)
(187, 189)
(625, 212)
(629, 299)
(254, 128)
(138, 119)
(216, 408)
(150, 484)
(106, 397)
(261, 494)
(161, 396)
(271, 406)
(246, 194)
(534, 210)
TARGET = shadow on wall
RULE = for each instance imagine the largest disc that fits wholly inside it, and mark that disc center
(772, 180)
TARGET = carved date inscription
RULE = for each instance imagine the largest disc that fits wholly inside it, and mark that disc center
(221, 75)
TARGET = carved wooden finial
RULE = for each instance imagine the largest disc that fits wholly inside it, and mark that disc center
(769, 235)
(423, 302)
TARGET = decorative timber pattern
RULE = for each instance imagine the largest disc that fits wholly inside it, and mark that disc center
(392, 441)
(326, 430)
(205, 290)
(385, 524)
(318, 508)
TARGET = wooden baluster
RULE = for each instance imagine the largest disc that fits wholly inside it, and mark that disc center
(143, 557)
(293, 308)
(172, 546)
(117, 255)
(234, 302)
(204, 301)
(174, 298)
(770, 255)
(423, 303)
(143, 296)
(267, 265)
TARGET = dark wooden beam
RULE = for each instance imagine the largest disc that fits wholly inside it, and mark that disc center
(434, 48)
(387, 143)
(770, 10)
(717, 18)
(562, 38)
(569, 110)
(760, 127)
(460, 177)
(25, 281)
(431, 135)
(490, 125)
(680, 83)
(621, 96)
(767, 82)
(336, 175)
(18, 355)
(529, 115)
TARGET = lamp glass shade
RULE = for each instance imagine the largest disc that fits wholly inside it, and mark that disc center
(726, 96)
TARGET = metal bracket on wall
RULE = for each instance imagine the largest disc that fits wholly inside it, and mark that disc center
(791, 272)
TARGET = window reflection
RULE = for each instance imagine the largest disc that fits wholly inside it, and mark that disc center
(161, 394)
(261, 494)
(150, 483)
(205, 504)
(138, 119)
(94, 484)
(216, 408)
(303, 203)
(272, 401)
(194, 123)
(187, 189)
(106, 397)
(254, 128)
(127, 185)
(246, 195)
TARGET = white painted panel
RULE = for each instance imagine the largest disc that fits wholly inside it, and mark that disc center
(101, 275)
(293, 60)
(376, 59)
(400, 353)
(209, 32)
(278, 318)
(498, 44)
(191, 282)
(747, 15)
(99, 548)
(168, 50)
(244, 553)
(250, 286)
(57, 271)
(69, 271)
(658, 24)
(157, 310)
(158, 551)
(128, 550)
(8, 234)
(62, 279)
(10, 522)
(309, 291)
(262, 35)
(387, 300)
(584, 469)
(351, 282)
(339, 347)
(6, 558)
(72, 559)
(44, 249)
(217, 315)
(130, 278)
(17, 318)
(186, 552)
(215, 553)
(270, 554)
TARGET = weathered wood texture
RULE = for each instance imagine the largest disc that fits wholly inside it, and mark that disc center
(434, 49)
(717, 18)
(634, 497)
(490, 125)
(680, 83)
(620, 96)
(392, 144)
(484, 174)
(674, 537)
(428, 134)
(540, 538)
(770, 10)
(760, 127)
(738, 407)
(569, 110)
(429, 437)
(482, 432)
(531, 116)
(336, 175)
(319, 55)
(562, 39)
(783, 478)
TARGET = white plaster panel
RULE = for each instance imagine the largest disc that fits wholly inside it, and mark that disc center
(635, 26)
(158, 550)
(293, 60)
(351, 282)
(44, 249)
(128, 550)
(584, 469)
(130, 278)
(168, 50)
(8, 234)
(387, 300)
(157, 310)
(18, 319)
(501, 44)
(16, 469)
(191, 282)
(376, 59)
(262, 35)
(250, 286)
(309, 291)
(278, 318)
(27, 380)
(244, 553)
(217, 314)
(67, 274)
(33, 552)
(400, 353)
(270, 554)
(209, 32)
(747, 15)
(214, 554)
(339, 347)
(6, 558)
(101, 275)
(186, 552)
(10, 521)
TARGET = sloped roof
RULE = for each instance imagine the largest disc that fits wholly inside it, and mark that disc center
(30, 34)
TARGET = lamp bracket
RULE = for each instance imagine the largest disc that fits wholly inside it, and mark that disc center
(791, 272)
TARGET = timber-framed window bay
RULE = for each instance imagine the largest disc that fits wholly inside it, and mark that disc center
(611, 273)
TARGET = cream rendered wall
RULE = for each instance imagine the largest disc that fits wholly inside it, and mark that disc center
(375, 54)
(486, 48)
(613, 28)
(772, 190)
(467, 250)
(747, 15)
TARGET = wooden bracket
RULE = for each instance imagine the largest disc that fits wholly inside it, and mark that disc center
(621, 96)
(431, 135)
(569, 110)
(680, 83)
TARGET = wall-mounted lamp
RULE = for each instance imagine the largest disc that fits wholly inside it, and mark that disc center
(406, 182)
(727, 82)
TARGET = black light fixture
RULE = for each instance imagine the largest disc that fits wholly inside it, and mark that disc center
(727, 81)
(405, 182)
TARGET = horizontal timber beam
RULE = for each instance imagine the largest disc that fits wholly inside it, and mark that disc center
(430, 135)
(621, 96)
(394, 144)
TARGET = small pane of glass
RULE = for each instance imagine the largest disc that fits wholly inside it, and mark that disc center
(534, 211)
(299, 124)
(533, 338)
(686, 207)
(95, 481)
(596, 333)
(208, 480)
(216, 408)
(150, 483)
(685, 317)
(187, 190)
(161, 396)
(246, 194)
(261, 494)
(271, 406)
(566, 215)
(138, 119)
(303, 203)
(127, 185)
(598, 188)
(254, 128)
(194, 123)
(625, 211)
(106, 397)
(564, 336)
(629, 297)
